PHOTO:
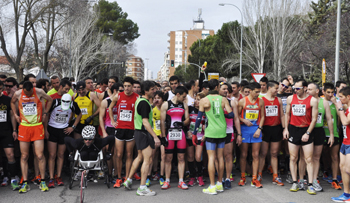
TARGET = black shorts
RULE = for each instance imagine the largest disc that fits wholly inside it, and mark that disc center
(215, 140)
(336, 141)
(143, 139)
(319, 136)
(296, 133)
(229, 138)
(6, 139)
(190, 143)
(110, 131)
(272, 133)
(56, 135)
(79, 128)
(124, 134)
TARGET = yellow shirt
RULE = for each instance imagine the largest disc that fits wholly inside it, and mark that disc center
(53, 91)
(156, 121)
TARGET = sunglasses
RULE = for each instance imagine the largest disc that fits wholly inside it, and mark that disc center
(64, 101)
(10, 86)
(297, 88)
(121, 90)
(87, 139)
(284, 86)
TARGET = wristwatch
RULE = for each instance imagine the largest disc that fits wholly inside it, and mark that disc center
(308, 133)
(341, 109)
(73, 126)
(260, 128)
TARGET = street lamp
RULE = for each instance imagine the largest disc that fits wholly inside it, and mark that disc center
(240, 59)
(199, 41)
(336, 74)
(147, 69)
(199, 68)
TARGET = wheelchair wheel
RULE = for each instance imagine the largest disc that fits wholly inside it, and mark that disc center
(73, 171)
(106, 172)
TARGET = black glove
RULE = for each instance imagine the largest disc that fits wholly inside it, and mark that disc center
(88, 120)
(164, 141)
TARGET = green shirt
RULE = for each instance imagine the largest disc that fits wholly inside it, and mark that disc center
(321, 113)
(334, 119)
(53, 91)
(138, 117)
(216, 118)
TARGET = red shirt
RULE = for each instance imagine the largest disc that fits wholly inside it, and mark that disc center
(126, 109)
(56, 96)
(272, 112)
(98, 91)
(301, 112)
(251, 111)
(5, 93)
(346, 131)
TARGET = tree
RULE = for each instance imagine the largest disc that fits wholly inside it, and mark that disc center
(113, 20)
(190, 74)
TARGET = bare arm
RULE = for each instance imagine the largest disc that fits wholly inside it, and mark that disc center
(101, 116)
(262, 113)
(281, 113)
(234, 104)
(163, 110)
(287, 115)
(14, 126)
(328, 117)
(345, 120)
(14, 106)
(226, 105)
(314, 105)
(187, 116)
(110, 109)
(95, 99)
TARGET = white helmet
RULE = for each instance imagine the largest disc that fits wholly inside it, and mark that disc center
(88, 132)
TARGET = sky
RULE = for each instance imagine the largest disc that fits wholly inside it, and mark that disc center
(156, 18)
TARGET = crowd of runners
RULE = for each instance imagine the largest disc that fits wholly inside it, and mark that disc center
(149, 131)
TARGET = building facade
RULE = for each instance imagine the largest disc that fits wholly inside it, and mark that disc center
(135, 68)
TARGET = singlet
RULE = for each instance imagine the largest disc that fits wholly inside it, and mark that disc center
(251, 111)
(126, 108)
(107, 119)
(138, 117)
(30, 109)
(156, 121)
(216, 119)
(171, 95)
(5, 113)
(272, 112)
(284, 97)
(105, 94)
(346, 131)
(321, 114)
(175, 113)
(301, 111)
(86, 106)
(261, 95)
(59, 118)
(53, 91)
(334, 119)
(190, 100)
(229, 121)
(193, 112)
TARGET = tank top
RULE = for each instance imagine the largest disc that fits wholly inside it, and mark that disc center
(301, 112)
(86, 105)
(175, 113)
(171, 95)
(30, 109)
(251, 111)
(272, 112)
(321, 114)
(334, 119)
(216, 119)
(193, 112)
(229, 121)
(107, 119)
(138, 118)
(126, 109)
(346, 131)
(156, 121)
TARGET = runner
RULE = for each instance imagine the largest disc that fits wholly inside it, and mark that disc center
(192, 87)
(174, 83)
(146, 139)
(137, 87)
(338, 86)
(64, 88)
(301, 116)
(43, 84)
(31, 129)
(31, 78)
(10, 86)
(263, 83)
(173, 119)
(55, 82)
(252, 120)
(125, 102)
(272, 130)
(111, 81)
(103, 86)
(236, 87)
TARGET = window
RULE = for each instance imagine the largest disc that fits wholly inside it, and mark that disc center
(176, 49)
(180, 42)
(175, 42)
(138, 59)
(138, 64)
(130, 64)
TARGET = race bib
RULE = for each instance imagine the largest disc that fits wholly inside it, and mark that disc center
(271, 110)
(61, 118)
(252, 115)
(344, 132)
(192, 124)
(3, 116)
(319, 118)
(157, 124)
(84, 111)
(175, 134)
(29, 109)
(284, 102)
(125, 115)
(299, 109)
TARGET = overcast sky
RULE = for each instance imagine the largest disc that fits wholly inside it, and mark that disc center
(156, 18)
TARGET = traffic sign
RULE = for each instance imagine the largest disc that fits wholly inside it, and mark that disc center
(213, 76)
(257, 76)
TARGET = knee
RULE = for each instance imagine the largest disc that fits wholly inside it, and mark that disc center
(129, 155)
(308, 160)
(119, 155)
(244, 155)
(10, 156)
(168, 159)
(181, 159)
(228, 156)
(347, 169)
(60, 155)
(190, 158)
(293, 159)
(40, 156)
(334, 157)
(52, 155)
(263, 154)
(274, 154)
(24, 156)
(255, 155)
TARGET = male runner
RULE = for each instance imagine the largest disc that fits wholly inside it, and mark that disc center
(236, 87)
(31, 78)
(32, 113)
(174, 83)
(301, 117)
(137, 87)
(263, 83)
(103, 86)
(55, 82)
(43, 84)
(10, 86)
(111, 81)
(64, 87)
(338, 86)
(192, 87)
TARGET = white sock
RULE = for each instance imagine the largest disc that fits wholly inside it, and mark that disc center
(129, 180)
(219, 183)
(181, 180)
(167, 180)
(212, 186)
(227, 179)
(142, 187)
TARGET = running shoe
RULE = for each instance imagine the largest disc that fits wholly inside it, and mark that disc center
(294, 188)
(200, 181)
(136, 176)
(165, 186)
(227, 184)
(301, 185)
(269, 170)
(256, 184)
(148, 182)
(191, 182)
(51, 183)
(231, 177)
(219, 188)
(242, 181)
(59, 181)
(5, 182)
(21, 181)
(182, 185)
(325, 176)
(25, 188)
(336, 185)
(14, 184)
(311, 190)
(118, 182)
(278, 181)
(259, 178)
(317, 186)
(36, 180)
(211, 191)
(340, 182)
(161, 181)
(145, 192)
(289, 178)
(127, 184)
(43, 186)
(341, 198)
(155, 176)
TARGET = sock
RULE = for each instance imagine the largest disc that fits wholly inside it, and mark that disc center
(334, 180)
(242, 175)
(309, 184)
(346, 194)
(167, 180)
(181, 180)
(295, 182)
(42, 180)
(199, 168)
(129, 180)
(142, 187)
(162, 177)
(219, 183)
(149, 177)
(192, 168)
(260, 174)
(228, 179)
(25, 181)
(254, 177)
(11, 166)
(212, 186)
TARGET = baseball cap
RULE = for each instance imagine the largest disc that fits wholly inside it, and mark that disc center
(80, 85)
(65, 102)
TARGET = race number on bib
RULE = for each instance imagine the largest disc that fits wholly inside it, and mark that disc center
(3, 116)
(157, 124)
(84, 111)
(344, 132)
(125, 115)
(61, 118)
(319, 118)
(252, 115)
(299, 109)
(175, 134)
(29, 109)
(271, 110)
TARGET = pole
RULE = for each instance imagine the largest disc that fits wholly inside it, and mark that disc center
(336, 74)
(70, 50)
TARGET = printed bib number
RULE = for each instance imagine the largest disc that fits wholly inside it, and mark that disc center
(125, 115)
(157, 124)
(84, 111)
(271, 110)
(192, 124)
(319, 118)
(61, 118)
(175, 134)
(252, 115)
(3, 116)
(299, 109)
(29, 109)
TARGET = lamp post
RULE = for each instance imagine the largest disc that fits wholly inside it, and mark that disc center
(199, 41)
(336, 74)
(147, 69)
(240, 59)
(199, 68)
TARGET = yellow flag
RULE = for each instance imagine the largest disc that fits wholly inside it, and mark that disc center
(323, 71)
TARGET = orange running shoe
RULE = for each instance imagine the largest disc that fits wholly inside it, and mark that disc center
(336, 185)
(21, 181)
(255, 183)
(36, 180)
(269, 170)
(277, 181)
(242, 181)
(118, 182)
(136, 176)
